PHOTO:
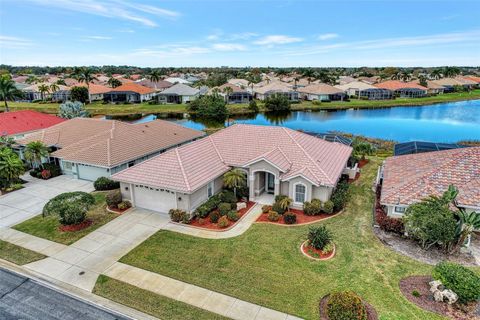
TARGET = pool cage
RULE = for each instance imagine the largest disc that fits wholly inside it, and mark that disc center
(376, 94)
(410, 93)
(413, 147)
(331, 137)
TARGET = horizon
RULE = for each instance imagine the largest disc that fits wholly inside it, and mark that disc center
(238, 34)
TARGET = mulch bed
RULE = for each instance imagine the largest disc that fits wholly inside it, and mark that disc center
(116, 210)
(371, 312)
(76, 227)
(207, 224)
(302, 218)
(357, 176)
(426, 301)
(316, 253)
(362, 162)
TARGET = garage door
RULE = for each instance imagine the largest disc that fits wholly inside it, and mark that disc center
(91, 173)
(154, 199)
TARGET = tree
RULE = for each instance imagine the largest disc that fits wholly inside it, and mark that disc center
(54, 88)
(436, 74)
(34, 152)
(209, 107)
(79, 94)
(43, 89)
(11, 167)
(87, 76)
(362, 149)
(227, 91)
(234, 179)
(423, 81)
(6, 142)
(451, 71)
(253, 106)
(155, 76)
(309, 74)
(32, 79)
(405, 76)
(8, 91)
(277, 102)
(70, 110)
(114, 82)
(467, 223)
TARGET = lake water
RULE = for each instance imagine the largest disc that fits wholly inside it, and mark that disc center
(446, 122)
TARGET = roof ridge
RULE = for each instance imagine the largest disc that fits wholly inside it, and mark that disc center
(283, 153)
(182, 169)
(308, 155)
(109, 161)
(216, 149)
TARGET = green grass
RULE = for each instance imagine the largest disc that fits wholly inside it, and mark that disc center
(97, 108)
(18, 255)
(47, 227)
(265, 266)
(148, 302)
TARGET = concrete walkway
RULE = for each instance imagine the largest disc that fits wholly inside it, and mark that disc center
(202, 298)
(238, 229)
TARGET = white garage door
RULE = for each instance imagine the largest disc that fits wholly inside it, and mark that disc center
(91, 173)
(154, 199)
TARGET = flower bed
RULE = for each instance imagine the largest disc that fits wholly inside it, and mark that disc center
(207, 224)
(116, 210)
(75, 227)
(316, 254)
(302, 218)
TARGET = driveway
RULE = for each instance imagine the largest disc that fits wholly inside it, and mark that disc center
(25, 203)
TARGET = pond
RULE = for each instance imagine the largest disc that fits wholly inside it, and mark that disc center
(446, 122)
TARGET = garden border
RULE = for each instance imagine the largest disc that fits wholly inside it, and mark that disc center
(299, 224)
(318, 259)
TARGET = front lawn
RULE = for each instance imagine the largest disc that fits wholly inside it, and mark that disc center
(265, 265)
(148, 302)
(48, 227)
(17, 254)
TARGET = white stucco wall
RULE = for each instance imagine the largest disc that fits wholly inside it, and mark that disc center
(322, 193)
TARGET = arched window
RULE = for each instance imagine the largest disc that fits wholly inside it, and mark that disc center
(300, 191)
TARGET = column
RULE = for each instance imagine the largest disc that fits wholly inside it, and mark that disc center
(251, 189)
(276, 192)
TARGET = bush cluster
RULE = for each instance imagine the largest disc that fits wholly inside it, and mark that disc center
(223, 222)
(346, 305)
(214, 216)
(290, 218)
(104, 183)
(464, 282)
(211, 204)
(125, 204)
(227, 196)
(273, 216)
(232, 215)
(277, 102)
(266, 208)
(319, 237)
(70, 207)
(312, 208)
(340, 196)
(178, 215)
(46, 171)
(385, 222)
(113, 198)
(224, 208)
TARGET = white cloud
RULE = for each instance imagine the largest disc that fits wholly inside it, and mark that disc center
(8, 42)
(97, 38)
(277, 39)
(327, 36)
(173, 51)
(229, 47)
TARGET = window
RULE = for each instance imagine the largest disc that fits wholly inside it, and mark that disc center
(300, 193)
(210, 189)
(400, 210)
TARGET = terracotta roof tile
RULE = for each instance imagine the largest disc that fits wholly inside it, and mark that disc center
(133, 87)
(26, 121)
(396, 85)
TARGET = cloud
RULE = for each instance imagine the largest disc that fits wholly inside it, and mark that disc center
(97, 38)
(173, 51)
(277, 39)
(229, 47)
(327, 36)
(8, 42)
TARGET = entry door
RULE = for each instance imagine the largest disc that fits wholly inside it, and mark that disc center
(270, 183)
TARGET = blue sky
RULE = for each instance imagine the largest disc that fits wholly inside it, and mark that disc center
(240, 33)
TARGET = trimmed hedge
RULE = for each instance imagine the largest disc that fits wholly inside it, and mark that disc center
(346, 305)
(273, 216)
(464, 282)
(104, 183)
(70, 207)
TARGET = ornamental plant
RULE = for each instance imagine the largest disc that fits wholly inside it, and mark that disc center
(113, 198)
(290, 218)
(104, 183)
(223, 222)
(70, 207)
(464, 282)
(345, 305)
(319, 237)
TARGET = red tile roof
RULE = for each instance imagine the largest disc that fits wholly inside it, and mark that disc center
(133, 87)
(17, 122)
(396, 85)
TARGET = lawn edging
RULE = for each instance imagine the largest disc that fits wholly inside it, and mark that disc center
(332, 254)
(299, 224)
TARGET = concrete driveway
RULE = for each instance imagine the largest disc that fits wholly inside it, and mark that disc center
(25, 203)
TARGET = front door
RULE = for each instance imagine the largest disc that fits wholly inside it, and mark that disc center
(270, 183)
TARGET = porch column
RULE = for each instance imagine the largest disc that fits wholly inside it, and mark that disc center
(251, 189)
(277, 187)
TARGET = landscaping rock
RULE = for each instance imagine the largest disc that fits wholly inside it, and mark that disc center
(438, 296)
(434, 285)
(450, 296)
(241, 205)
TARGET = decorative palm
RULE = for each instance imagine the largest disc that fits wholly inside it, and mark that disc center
(11, 167)
(285, 203)
(467, 224)
(43, 89)
(35, 151)
(87, 76)
(8, 91)
(54, 88)
(436, 74)
(234, 179)
(227, 91)
(155, 76)
(32, 79)
(114, 82)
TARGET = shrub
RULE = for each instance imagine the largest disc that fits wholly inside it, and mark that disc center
(203, 211)
(214, 216)
(273, 216)
(279, 197)
(328, 247)
(312, 208)
(178, 215)
(319, 237)
(201, 221)
(79, 94)
(252, 106)
(464, 282)
(340, 196)
(224, 208)
(277, 102)
(415, 293)
(346, 305)
(328, 207)
(113, 198)
(54, 169)
(387, 223)
(266, 208)
(124, 205)
(77, 198)
(278, 208)
(228, 196)
(223, 222)
(104, 183)
(46, 174)
(232, 215)
(290, 218)
(210, 107)
(211, 204)
(71, 213)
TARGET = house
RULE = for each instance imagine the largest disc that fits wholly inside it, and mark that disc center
(450, 83)
(97, 91)
(353, 88)
(237, 94)
(176, 80)
(129, 92)
(275, 160)
(178, 93)
(408, 179)
(156, 85)
(17, 124)
(321, 92)
(242, 83)
(433, 88)
(91, 148)
(403, 89)
(32, 92)
(274, 88)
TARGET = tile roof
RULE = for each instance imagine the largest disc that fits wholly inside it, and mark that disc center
(354, 85)
(109, 143)
(181, 90)
(96, 88)
(274, 87)
(236, 146)
(410, 178)
(157, 85)
(320, 88)
(132, 87)
(473, 78)
(396, 85)
(16, 122)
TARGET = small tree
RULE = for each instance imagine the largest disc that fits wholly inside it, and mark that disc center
(319, 237)
(70, 110)
(43, 89)
(70, 207)
(467, 223)
(277, 102)
(35, 151)
(11, 167)
(114, 82)
(8, 91)
(362, 149)
(253, 106)
(285, 203)
(79, 94)
(210, 107)
(234, 179)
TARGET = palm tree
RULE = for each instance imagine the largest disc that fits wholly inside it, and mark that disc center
(86, 75)
(405, 76)
(467, 224)
(11, 167)
(8, 91)
(295, 82)
(43, 88)
(436, 74)
(309, 74)
(396, 76)
(114, 82)
(234, 178)
(32, 79)
(54, 88)
(155, 76)
(34, 152)
(451, 71)
(285, 203)
(227, 91)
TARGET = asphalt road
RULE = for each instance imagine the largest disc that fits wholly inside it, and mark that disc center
(25, 299)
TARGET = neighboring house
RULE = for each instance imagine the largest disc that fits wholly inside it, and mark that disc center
(403, 89)
(238, 95)
(274, 88)
(433, 88)
(91, 148)
(176, 80)
(32, 93)
(276, 161)
(450, 83)
(129, 92)
(321, 92)
(408, 179)
(475, 79)
(156, 85)
(17, 124)
(178, 93)
(345, 80)
(242, 83)
(354, 88)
